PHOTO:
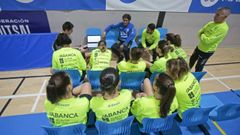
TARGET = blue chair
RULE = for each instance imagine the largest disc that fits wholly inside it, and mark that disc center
(163, 32)
(226, 112)
(93, 31)
(94, 79)
(122, 127)
(132, 80)
(74, 74)
(152, 77)
(78, 129)
(196, 117)
(111, 37)
(154, 126)
(199, 75)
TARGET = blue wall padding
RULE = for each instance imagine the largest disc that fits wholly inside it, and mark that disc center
(26, 51)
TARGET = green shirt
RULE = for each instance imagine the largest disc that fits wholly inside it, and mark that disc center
(68, 58)
(67, 111)
(124, 66)
(150, 38)
(100, 60)
(160, 64)
(112, 110)
(212, 35)
(188, 93)
(178, 52)
(149, 107)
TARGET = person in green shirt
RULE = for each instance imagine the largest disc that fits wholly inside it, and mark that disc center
(61, 106)
(101, 57)
(149, 40)
(163, 51)
(67, 57)
(157, 101)
(210, 36)
(176, 42)
(113, 105)
(135, 64)
(188, 91)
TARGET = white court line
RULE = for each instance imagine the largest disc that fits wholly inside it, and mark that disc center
(22, 96)
(38, 97)
(224, 84)
(43, 94)
(221, 78)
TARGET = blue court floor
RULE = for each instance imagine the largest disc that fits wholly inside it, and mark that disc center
(30, 124)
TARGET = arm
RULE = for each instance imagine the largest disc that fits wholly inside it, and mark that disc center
(148, 87)
(82, 62)
(157, 38)
(85, 88)
(143, 40)
(217, 36)
(131, 36)
(112, 26)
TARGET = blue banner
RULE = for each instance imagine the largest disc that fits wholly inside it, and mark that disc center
(26, 51)
(23, 22)
(53, 4)
(200, 6)
(210, 6)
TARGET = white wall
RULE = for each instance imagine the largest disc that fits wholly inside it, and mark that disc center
(186, 24)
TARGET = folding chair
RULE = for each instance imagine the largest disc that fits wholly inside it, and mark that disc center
(111, 38)
(155, 126)
(122, 127)
(196, 117)
(132, 80)
(78, 129)
(226, 112)
(93, 37)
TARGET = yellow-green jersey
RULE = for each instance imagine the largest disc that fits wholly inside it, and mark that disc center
(178, 52)
(188, 93)
(150, 38)
(68, 58)
(124, 66)
(149, 107)
(100, 60)
(112, 110)
(211, 35)
(160, 64)
(67, 111)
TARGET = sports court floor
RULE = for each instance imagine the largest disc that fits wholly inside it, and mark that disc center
(23, 92)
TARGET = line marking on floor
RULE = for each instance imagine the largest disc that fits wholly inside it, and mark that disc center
(38, 97)
(224, 84)
(219, 128)
(43, 94)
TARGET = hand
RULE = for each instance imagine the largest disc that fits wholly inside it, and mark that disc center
(121, 47)
(139, 95)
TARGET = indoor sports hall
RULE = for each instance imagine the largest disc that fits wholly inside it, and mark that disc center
(29, 28)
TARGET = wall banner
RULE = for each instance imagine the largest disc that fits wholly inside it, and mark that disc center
(23, 22)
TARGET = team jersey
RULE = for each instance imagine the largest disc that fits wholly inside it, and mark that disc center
(160, 64)
(149, 107)
(126, 33)
(211, 35)
(100, 60)
(188, 93)
(150, 38)
(68, 58)
(67, 111)
(112, 110)
(124, 66)
(178, 52)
